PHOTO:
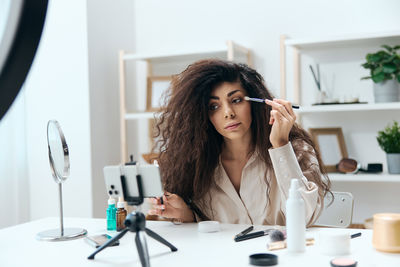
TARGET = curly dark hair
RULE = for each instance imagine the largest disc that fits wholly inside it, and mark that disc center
(189, 145)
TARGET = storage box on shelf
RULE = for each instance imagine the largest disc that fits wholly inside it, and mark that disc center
(164, 65)
(340, 60)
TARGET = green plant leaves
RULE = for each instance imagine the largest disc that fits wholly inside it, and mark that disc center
(389, 138)
(379, 77)
(389, 68)
(387, 48)
(384, 64)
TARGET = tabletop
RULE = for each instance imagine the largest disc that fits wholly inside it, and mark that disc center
(18, 247)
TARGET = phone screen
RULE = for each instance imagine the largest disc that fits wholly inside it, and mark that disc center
(99, 240)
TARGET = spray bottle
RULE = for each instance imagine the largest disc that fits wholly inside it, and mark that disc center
(111, 215)
(295, 219)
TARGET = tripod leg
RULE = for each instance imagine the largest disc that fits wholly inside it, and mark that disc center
(141, 246)
(160, 239)
(108, 243)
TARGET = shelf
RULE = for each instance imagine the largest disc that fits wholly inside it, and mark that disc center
(182, 56)
(346, 40)
(364, 177)
(139, 115)
(348, 107)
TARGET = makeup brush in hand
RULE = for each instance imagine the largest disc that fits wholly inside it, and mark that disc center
(259, 100)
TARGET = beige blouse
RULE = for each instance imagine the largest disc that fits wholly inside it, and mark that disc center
(251, 205)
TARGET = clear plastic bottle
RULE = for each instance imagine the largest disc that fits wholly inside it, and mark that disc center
(295, 219)
(111, 215)
(121, 214)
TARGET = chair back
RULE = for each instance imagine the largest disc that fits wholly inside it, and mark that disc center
(339, 213)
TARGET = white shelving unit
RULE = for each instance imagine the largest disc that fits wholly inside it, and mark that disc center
(349, 108)
(365, 177)
(231, 51)
(342, 56)
(346, 40)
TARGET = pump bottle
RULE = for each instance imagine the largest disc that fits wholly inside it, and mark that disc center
(295, 219)
(111, 215)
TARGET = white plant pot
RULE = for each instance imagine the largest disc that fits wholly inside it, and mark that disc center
(386, 91)
(393, 161)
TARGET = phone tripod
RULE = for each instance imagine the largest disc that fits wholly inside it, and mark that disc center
(136, 222)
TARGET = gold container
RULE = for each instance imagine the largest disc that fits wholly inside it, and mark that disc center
(386, 233)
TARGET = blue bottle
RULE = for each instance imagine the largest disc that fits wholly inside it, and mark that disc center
(111, 215)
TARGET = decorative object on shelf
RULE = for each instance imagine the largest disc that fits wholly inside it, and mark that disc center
(156, 87)
(389, 141)
(384, 67)
(340, 103)
(331, 146)
(347, 165)
(150, 157)
(322, 96)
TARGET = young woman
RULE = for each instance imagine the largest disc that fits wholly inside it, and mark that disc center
(226, 159)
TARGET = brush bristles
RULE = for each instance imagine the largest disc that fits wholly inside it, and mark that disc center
(276, 235)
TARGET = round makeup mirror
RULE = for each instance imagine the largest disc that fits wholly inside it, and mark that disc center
(58, 152)
(59, 165)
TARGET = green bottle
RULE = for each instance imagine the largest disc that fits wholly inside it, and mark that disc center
(111, 215)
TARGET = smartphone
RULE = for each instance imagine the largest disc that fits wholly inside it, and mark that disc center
(151, 179)
(99, 240)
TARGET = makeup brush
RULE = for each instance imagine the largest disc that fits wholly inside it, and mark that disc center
(263, 101)
(276, 235)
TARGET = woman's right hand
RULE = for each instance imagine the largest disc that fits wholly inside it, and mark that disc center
(174, 207)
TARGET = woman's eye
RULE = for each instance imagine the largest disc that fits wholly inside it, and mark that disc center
(236, 100)
(213, 107)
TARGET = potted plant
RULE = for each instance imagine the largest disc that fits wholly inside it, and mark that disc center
(384, 67)
(389, 141)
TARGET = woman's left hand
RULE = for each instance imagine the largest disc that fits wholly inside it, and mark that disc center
(282, 119)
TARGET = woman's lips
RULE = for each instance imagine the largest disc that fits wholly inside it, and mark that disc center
(232, 126)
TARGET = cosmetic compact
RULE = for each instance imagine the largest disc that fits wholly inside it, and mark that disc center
(263, 259)
(343, 262)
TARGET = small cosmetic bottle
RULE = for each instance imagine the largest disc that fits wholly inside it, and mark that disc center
(121, 214)
(111, 215)
(295, 219)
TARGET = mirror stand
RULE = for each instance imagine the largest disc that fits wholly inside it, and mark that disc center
(61, 234)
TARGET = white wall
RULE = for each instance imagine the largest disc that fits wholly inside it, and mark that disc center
(14, 182)
(74, 79)
(184, 25)
(57, 88)
(111, 27)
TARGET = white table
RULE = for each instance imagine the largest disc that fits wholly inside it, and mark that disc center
(18, 247)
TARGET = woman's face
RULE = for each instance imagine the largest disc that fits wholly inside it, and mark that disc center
(229, 112)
